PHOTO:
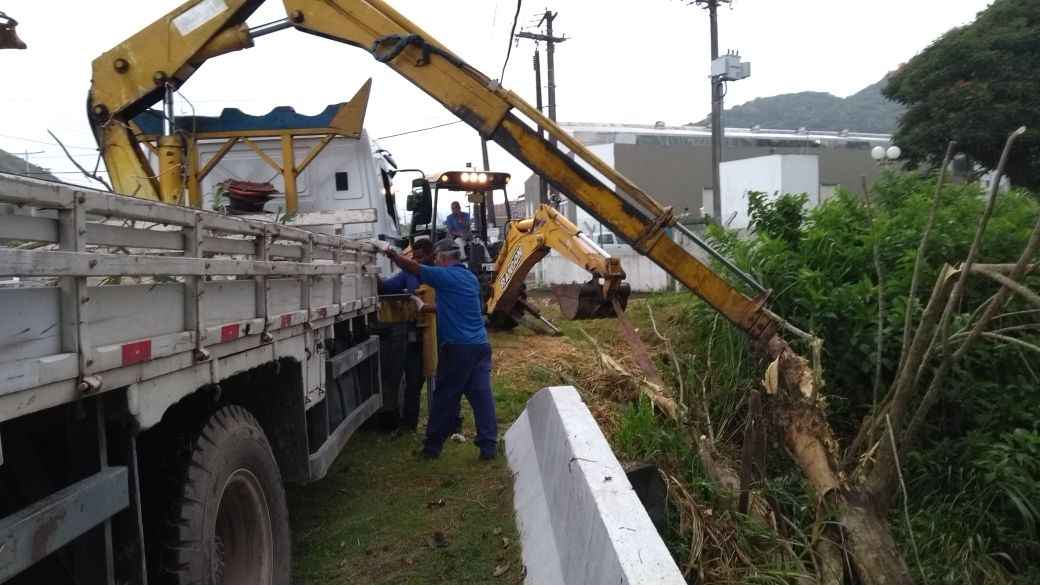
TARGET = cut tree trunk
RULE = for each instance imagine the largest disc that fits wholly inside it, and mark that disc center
(868, 540)
(875, 556)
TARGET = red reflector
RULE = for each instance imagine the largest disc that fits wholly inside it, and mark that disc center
(286, 320)
(137, 352)
(228, 333)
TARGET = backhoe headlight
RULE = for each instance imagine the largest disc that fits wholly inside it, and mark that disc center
(482, 177)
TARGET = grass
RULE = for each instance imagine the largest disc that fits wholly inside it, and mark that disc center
(378, 515)
(374, 518)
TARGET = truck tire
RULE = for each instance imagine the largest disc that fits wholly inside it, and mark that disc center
(230, 523)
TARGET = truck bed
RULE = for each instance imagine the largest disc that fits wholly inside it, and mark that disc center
(103, 291)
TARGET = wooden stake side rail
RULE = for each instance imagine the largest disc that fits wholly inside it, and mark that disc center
(217, 289)
(23, 191)
(50, 263)
(25, 228)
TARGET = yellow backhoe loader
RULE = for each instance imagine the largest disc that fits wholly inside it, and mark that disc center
(503, 266)
(527, 242)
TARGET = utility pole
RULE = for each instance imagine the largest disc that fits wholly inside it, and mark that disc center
(725, 68)
(543, 192)
(488, 211)
(716, 110)
(550, 48)
(717, 129)
(28, 168)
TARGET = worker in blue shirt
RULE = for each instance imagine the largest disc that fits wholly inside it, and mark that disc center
(464, 356)
(458, 223)
(405, 282)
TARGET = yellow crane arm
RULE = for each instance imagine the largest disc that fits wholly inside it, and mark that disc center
(529, 240)
(171, 49)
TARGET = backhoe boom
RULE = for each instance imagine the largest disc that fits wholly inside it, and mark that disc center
(133, 75)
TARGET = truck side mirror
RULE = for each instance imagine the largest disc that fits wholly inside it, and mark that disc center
(420, 201)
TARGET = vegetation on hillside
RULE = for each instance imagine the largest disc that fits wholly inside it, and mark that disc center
(864, 111)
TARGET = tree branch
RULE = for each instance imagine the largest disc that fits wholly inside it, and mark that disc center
(881, 292)
(911, 297)
(881, 481)
(671, 354)
(898, 410)
(1010, 284)
(906, 497)
(85, 172)
(919, 348)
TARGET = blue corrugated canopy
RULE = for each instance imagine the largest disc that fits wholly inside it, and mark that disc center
(235, 120)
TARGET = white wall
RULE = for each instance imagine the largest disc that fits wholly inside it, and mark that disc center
(800, 173)
(772, 174)
(641, 273)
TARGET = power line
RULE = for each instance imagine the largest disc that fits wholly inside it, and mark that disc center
(23, 139)
(509, 47)
(57, 172)
(419, 130)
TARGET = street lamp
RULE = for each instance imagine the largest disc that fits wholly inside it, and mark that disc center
(885, 156)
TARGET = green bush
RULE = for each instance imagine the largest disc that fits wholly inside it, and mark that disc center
(975, 480)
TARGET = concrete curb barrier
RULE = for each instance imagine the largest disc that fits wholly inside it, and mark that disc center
(580, 521)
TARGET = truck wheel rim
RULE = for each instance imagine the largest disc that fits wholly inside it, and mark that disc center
(243, 540)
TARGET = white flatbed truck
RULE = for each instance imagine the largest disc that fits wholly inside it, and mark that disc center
(170, 363)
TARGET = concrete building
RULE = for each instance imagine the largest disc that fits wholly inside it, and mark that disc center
(673, 164)
(772, 174)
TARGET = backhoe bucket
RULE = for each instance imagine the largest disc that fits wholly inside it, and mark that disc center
(586, 301)
(8, 37)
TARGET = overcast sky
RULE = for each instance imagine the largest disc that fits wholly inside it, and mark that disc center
(625, 62)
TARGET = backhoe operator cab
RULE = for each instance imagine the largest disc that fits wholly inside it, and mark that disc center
(479, 188)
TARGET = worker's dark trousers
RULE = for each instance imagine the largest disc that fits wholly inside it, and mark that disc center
(414, 380)
(462, 370)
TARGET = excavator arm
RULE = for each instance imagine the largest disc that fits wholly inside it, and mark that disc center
(528, 241)
(147, 67)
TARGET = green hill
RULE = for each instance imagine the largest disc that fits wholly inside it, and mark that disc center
(865, 111)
